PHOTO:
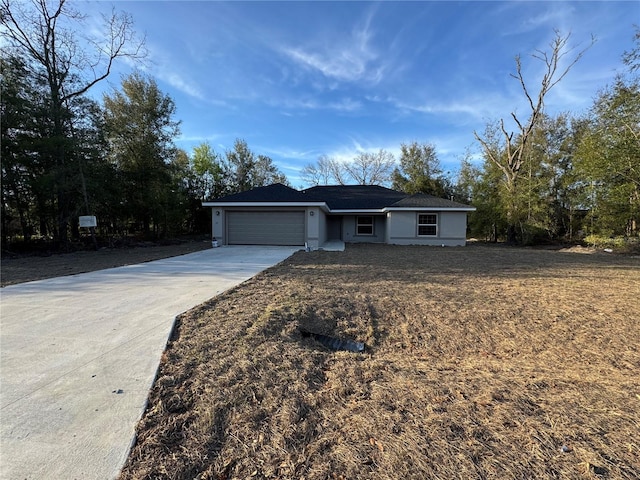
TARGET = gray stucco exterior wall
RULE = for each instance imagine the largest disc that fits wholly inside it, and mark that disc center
(394, 227)
(349, 231)
(217, 224)
(316, 228)
(403, 229)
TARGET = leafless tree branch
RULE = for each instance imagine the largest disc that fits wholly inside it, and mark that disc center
(553, 74)
(36, 30)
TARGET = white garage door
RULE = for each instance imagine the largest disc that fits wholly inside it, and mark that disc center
(265, 228)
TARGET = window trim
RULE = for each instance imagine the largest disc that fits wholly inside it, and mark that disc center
(435, 224)
(372, 225)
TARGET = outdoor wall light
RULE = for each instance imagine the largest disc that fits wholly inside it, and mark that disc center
(217, 213)
(311, 213)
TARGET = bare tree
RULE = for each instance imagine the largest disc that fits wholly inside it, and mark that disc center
(69, 62)
(508, 155)
(371, 168)
(338, 172)
(319, 173)
(365, 169)
(39, 31)
(325, 171)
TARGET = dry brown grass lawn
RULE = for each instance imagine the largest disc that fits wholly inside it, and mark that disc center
(481, 363)
(19, 269)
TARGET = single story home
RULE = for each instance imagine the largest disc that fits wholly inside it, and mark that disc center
(280, 215)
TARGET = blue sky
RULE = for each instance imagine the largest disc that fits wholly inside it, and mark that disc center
(298, 80)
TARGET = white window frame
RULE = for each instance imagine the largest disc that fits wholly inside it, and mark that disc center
(430, 224)
(358, 225)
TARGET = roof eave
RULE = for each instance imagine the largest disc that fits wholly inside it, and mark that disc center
(430, 209)
(322, 205)
(357, 210)
(325, 207)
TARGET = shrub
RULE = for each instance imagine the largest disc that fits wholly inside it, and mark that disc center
(619, 244)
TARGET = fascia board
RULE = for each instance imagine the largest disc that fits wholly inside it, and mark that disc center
(266, 204)
(361, 210)
(430, 209)
(324, 207)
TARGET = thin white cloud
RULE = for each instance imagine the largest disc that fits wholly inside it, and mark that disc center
(555, 15)
(290, 153)
(183, 85)
(349, 59)
(345, 63)
(349, 151)
(200, 138)
(462, 109)
(456, 107)
(343, 105)
(163, 68)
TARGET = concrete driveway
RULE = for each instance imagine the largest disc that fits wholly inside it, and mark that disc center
(78, 355)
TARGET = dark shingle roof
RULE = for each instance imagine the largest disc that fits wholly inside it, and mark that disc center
(422, 200)
(355, 197)
(271, 193)
(341, 197)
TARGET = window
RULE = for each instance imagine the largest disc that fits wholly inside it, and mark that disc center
(427, 224)
(364, 225)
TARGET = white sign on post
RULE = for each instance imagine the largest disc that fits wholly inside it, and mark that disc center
(88, 221)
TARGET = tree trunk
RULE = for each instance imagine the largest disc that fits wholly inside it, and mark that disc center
(62, 235)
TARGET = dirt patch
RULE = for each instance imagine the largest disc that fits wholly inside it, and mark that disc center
(19, 269)
(479, 363)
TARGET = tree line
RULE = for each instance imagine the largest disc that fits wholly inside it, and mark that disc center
(562, 177)
(64, 154)
(550, 178)
(119, 163)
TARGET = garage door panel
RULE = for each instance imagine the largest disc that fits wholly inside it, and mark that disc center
(265, 228)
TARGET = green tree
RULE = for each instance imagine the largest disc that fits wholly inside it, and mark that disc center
(244, 170)
(480, 186)
(544, 200)
(93, 179)
(609, 159)
(240, 164)
(608, 155)
(21, 109)
(466, 178)
(141, 129)
(29, 171)
(265, 172)
(209, 181)
(69, 61)
(176, 199)
(205, 179)
(631, 58)
(419, 170)
(557, 187)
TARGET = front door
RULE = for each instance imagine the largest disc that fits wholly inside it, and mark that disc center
(334, 228)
